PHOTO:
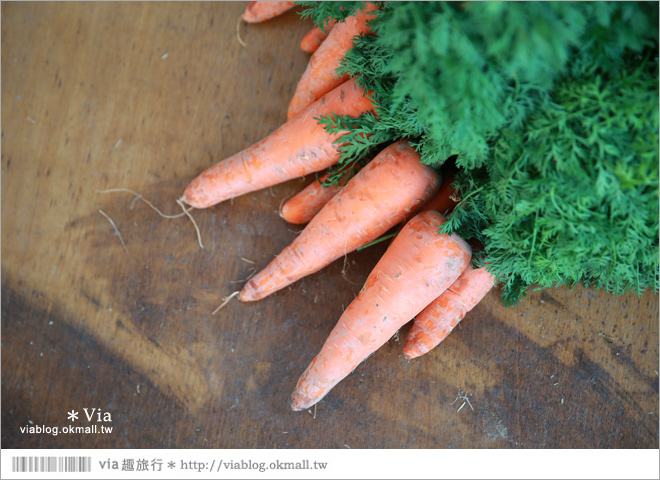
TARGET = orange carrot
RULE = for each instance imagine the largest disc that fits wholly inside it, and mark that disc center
(314, 38)
(320, 76)
(372, 202)
(261, 11)
(298, 148)
(302, 207)
(440, 317)
(416, 268)
(445, 200)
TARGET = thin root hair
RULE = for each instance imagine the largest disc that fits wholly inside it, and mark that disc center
(225, 301)
(187, 213)
(140, 197)
(117, 232)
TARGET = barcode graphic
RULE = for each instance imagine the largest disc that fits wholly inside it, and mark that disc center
(51, 464)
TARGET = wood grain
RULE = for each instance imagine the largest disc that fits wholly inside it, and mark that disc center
(145, 96)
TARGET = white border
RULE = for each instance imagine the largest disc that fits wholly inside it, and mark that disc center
(367, 464)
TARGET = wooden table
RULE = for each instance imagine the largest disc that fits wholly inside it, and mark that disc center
(147, 95)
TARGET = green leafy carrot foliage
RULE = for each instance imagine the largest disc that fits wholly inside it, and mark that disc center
(550, 110)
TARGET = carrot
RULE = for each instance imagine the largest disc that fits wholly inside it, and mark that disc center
(320, 76)
(257, 12)
(442, 202)
(440, 317)
(416, 268)
(302, 207)
(298, 148)
(315, 37)
(445, 200)
(372, 202)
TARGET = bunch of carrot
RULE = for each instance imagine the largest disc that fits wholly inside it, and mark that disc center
(423, 275)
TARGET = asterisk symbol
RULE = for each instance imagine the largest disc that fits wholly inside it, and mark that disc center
(73, 415)
(171, 464)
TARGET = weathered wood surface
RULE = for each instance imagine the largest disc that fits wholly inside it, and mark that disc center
(145, 96)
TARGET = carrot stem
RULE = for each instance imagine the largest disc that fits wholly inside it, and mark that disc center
(378, 240)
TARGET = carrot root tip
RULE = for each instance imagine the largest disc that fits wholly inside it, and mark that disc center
(298, 405)
(410, 355)
(248, 294)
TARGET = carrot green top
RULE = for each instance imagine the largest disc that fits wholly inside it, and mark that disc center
(550, 112)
